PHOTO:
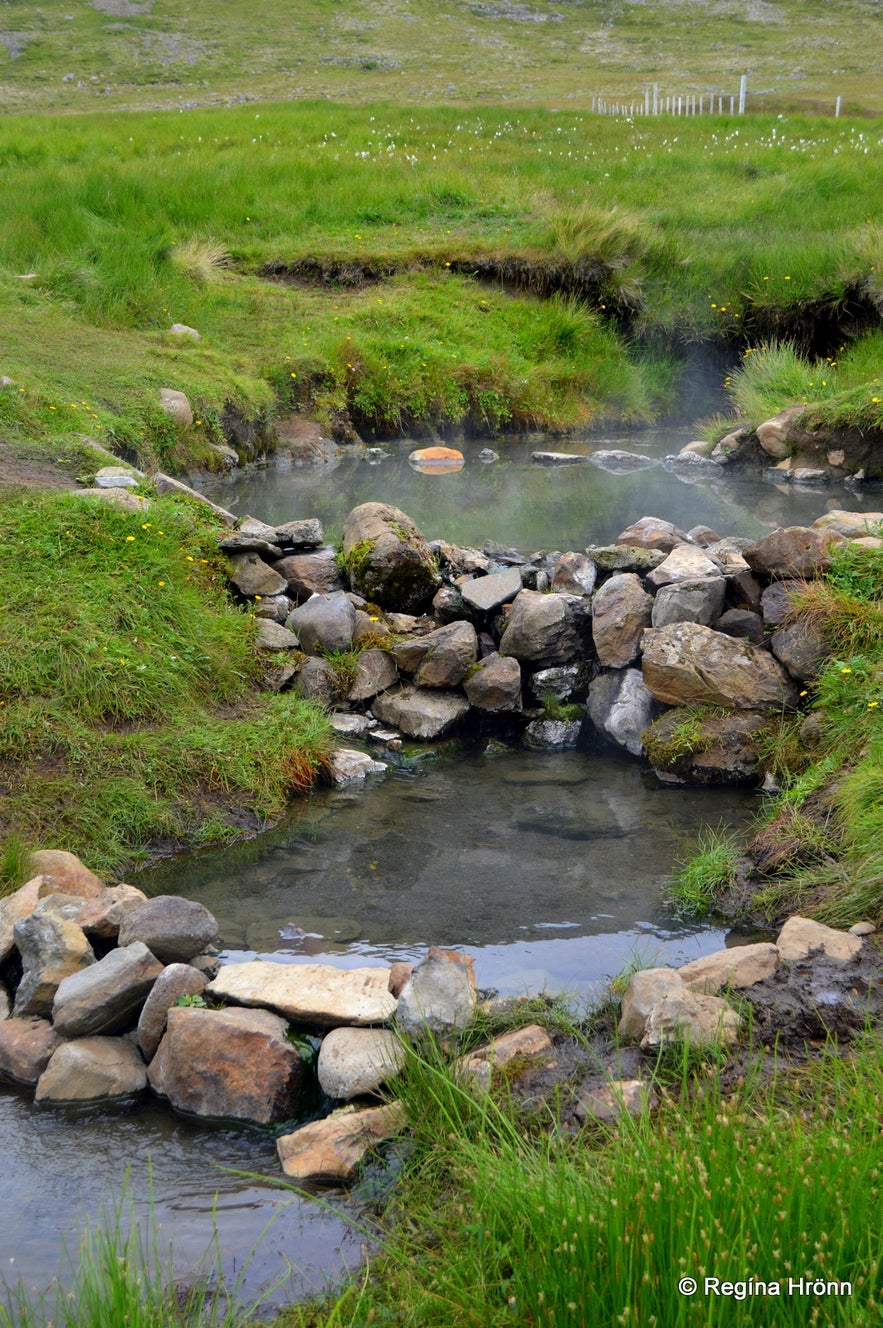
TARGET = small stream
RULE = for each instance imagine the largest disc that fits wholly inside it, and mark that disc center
(551, 870)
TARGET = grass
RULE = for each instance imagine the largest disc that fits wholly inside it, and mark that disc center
(700, 877)
(130, 715)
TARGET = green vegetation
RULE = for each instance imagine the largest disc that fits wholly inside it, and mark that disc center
(707, 872)
(841, 392)
(129, 713)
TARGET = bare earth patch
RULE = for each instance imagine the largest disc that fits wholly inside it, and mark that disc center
(20, 468)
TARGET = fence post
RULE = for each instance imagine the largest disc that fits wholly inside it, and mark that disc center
(655, 98)
(837, 110)
(743, 84)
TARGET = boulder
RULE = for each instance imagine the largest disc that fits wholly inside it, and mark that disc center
(544, 629)
(92, 1069)
(324, 623)
(802, 648)
(621, 708)
(63, 874)
(621, 610)
(685, 664)
(448, 655)
(447, 605)
(346, 765)
(625, 558)
(686, 748)
(252, 576)
(106, 997)
(303, 533)
(250, 528)
(460, 561)
(227, 1065)
(553, 735)
(318, 681)
(51, 949)
(308, 993)
(353, 1061)
(175, 403)
(699, 601)
(419, 712)
(13, 909)
(331, 1149)
(651, 532)
(684, 563)
(439, 997)
(25, 1048)
(175, 981)
(271, 635)
(799, 937)
(739, 967)
(486, 594)
(387, 558)
(172, 928)
(528, 1046)
(375, 672)
(495, 685)
(774, 435)
(777, 601)
(556, 684)
(103, 915)
(274, 607)
(852, 525)
(743, 623)
(687, 1016)
(645, 989)
(793, 551)
(310, 573)
(575, 574)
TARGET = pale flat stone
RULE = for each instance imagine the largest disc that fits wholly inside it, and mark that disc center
(309, 993)
(487, 593)
(645, 988)
(92, 1069)
(353, 1061)
(685, 563)
(529, 1044)
(346, 765)
(621, 1097)
(739, 967)
(800, 936)
(331, 1149)
(687, 1016)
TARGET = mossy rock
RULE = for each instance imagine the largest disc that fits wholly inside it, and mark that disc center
(387, 558)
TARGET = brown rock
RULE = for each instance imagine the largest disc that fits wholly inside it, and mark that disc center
(739, 967)
(495, 686)
(801, 936)
(64, 874)
(687, 1016)
(375, 672)
(529, 1045)
(331, 1149)
(103, 915)
(544, 629)
(449, 653)
(621, 610)
(645, 989)
(252, 576)
(652, 533)
(173, 929)
(687, 664)
(92, 1069)
(309, 993)
(802, 648)
(12, 909)
(793, 551)
(399, 974)
(310, 573)
(52, 948)
(25, 1048)
(621, 1097)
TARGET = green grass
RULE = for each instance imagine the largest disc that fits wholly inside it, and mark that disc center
(130, 716)
(700, 877)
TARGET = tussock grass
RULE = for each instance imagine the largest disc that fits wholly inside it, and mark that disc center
(706, 872)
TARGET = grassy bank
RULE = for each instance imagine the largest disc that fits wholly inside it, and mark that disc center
(385, 269)
(130, 717)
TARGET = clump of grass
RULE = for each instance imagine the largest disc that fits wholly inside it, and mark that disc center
(700, 878)
(200, 261)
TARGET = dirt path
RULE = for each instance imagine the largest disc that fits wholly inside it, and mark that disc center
(21, 468)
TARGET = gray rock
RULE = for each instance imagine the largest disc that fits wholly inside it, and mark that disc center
(243, 542)
(353, 1061)
(183, 331)
(743, 623)
(698, 601)
(388, 559)
(92, 1069)
(347, 765)
(317, 681)
(308, 993)
(684, 563)
(165, 484)
(351, 726)
(51, 948)
(272, 635)
(421, 712)
(172, 928)
(802, 648)
(375, 672)
(724, 748)
(575, 574)
(558, 459)
(545, 629)
(555, 684)
(685, 664)
(19, 905)
(116, 477)
(460, 561)
(621, 708)
(486, 594)
(25, 1048)
(447, 605)
(449, 654)
(251, 527)
(621, 610)
(651, 532)
(107, 996)
(777, 601)
(252, 576)
(439, 997)
(175, 403)
(552, 735)
(175, 981)
(495, 685)
(625, 558)
(275, 608)
(305, 533)
(619, 462)
(324, 623)
(308, 574)
(794, 551)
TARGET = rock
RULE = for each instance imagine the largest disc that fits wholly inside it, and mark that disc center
(252, 576)
(739, 967)
(743, 623)
(686, 664)
(555, 684)
(310, 573)
(106, 997)
(13, 909)
(527, 1045)
(103, 915)
(251, 529)
(687, 1016)
(347, 765)
(799, 937)
(495, 685)
(732, 446)
(172, 928)
(552, 735)
(304, 533)
(774, 435)
(621, 1097)
(460, 561)
(487, 456)
(650, 532)
(368, 624)
(802, 648)
(852, 525)
(227, 1065)
(420, 712)
(25, 1048)
(439, 997)
(557, 459)
(575, 574)
(5, 1004)
(318, 681)
(684, 563)
(619, 462)
(794, 551)
(353, 1061)
(704, 536)
(309, 993)
(175, 403)
(272, 635)
(184, 332)
(437, 459)
(700, 601)
(621, 610)
(51, 948)
(324, 623)
(92, 1069)
(228, 456)
(447, 605)
(486, 594)
(64, 874)
(124, 498)
(778, 600)
(544, 629)
(375, 672)
(165, 484)
(399, 973)
(621, 708)
(175, 981)
(350, 726)
(275, 608)
(331, 1149)
(645, 989)
(116, 477)
(387, 558)
(625, 558)
(448, 655)
(686, 748)
(862, 929)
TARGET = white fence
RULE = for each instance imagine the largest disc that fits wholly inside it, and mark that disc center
(704, 103)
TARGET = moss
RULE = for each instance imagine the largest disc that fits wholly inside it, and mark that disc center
(665, 741)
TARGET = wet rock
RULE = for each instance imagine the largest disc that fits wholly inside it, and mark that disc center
(544, 629)
(353, 1061)
(437, 459)
(351, 726)
(387, 558)
(25, 1048)
(420, 712)
(625, 558)
(528, 1045)
(621, 1097)
(553, 735)
(495, 685)
(739, 967)
(448, 655)
(375, 672)
(795, 551)
(651, 532)
(699, 601)
(51, 948)
(309, 993)
(310, 573)
(621, 610)
(684, 563)
(306, 532)
(64, 874)
(618, 462)
(440, 995)
(92, 1069)
(331, 1150)
(742, 623)
(558, 459)
(486, 594)
(645, 989)
(347, 765)
(575, 574)
(324, 623)
(172, 928)
(175, 981)
(799, 937)
(802, 648)
(227, 1065)
(621, 708)
(107, 996)
(685, 664)
(252, 576)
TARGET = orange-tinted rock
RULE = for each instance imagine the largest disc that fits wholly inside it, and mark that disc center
(64, 874)
(437, 460)
(331, 1149)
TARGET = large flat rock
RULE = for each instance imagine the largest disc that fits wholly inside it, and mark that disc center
(331, 1149)
(309, 993)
